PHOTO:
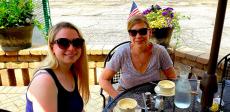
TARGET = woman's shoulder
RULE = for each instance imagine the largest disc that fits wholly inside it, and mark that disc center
(42, 91)
(158, 47)
(123, 48)
(41, 75)
(42, 80)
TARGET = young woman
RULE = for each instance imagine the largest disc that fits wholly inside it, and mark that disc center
(139, 61)
(61, 82)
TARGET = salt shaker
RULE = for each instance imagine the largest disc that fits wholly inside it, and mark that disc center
(148, 100)
(159, 103)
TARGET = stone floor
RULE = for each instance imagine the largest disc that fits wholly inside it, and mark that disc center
(13, 99)
(104, 22)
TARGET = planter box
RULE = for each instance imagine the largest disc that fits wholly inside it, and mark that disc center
(16, 38)
(162, 36)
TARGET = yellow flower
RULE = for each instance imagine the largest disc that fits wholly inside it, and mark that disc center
(214, 107)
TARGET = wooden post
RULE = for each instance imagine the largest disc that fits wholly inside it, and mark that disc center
(0, 80)
(208, 83)
(11, 76)
(25, 76)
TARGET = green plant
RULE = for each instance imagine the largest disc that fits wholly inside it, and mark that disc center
(15, 13)
(159, 18)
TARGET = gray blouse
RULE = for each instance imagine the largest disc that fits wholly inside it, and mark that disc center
(121, 60)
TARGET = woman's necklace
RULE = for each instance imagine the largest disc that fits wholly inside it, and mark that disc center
(67, 80)
(141, 60)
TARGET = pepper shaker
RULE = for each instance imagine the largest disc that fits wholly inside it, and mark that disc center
(148, 100)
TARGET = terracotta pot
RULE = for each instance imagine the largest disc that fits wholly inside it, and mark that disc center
(16, 38)
(162, 36)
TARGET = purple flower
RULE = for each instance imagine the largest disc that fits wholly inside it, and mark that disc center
(172, 15)
(164, 13)
(146, 11)
(168, 12)
(169, 9)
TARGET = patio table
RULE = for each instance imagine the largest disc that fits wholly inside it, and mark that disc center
(168, 102)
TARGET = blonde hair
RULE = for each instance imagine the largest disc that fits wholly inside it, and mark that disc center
(137, 19)
(80, 67)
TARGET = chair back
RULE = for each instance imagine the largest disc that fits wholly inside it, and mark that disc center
(226, 67)
(117, 75)
(225, 79)
(109, 56)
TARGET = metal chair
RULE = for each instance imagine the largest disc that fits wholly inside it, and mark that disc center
(3, 110)
(117, 75)
(225, 62)
(42, 12)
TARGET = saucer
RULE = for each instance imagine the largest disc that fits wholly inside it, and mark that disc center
(157, 90)
(116, 109)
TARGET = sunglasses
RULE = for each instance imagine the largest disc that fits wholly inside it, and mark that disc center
(64, 43)
(142, 31)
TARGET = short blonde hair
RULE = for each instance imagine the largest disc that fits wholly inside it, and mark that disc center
(80, 67)
(137, 19)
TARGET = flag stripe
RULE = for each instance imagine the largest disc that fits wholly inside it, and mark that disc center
(134, 10)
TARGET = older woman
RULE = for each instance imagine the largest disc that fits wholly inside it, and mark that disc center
(139, 61)
(61, 83)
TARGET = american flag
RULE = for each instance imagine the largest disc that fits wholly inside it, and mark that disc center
(134, 10)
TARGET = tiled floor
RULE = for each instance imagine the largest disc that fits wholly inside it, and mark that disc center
(13, 99)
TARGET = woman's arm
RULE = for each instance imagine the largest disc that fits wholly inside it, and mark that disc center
(105, 82)
(170, 73)
(43, 93)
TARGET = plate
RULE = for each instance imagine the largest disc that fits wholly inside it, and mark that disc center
(157, 90)
(116, 109)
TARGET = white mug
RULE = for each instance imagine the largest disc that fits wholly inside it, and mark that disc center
(127, 105)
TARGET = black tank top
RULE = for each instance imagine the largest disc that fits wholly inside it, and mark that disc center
(67, 101)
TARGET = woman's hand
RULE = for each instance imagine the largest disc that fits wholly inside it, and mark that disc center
(170, 73)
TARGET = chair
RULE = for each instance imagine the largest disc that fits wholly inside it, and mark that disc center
(117, 75)
(42, 12)
(3, 110)
(225, 62)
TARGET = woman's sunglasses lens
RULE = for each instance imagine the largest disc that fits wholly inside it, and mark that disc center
(78, 43)
(63, 43)
(143, 31)
(133, 33)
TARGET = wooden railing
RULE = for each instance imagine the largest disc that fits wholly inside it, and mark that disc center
(16, 68)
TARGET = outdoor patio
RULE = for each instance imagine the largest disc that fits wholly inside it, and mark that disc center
(104, 25)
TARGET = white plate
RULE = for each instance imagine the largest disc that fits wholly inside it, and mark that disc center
(116, 109)
(157, 90)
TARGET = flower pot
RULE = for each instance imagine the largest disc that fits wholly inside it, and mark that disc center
(16, 38)
(162, 36)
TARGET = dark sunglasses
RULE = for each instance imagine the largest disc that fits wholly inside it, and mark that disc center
(64, 43)
(142, 31)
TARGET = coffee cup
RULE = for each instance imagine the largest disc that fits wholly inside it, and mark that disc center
(127, 105)
(165, 88)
